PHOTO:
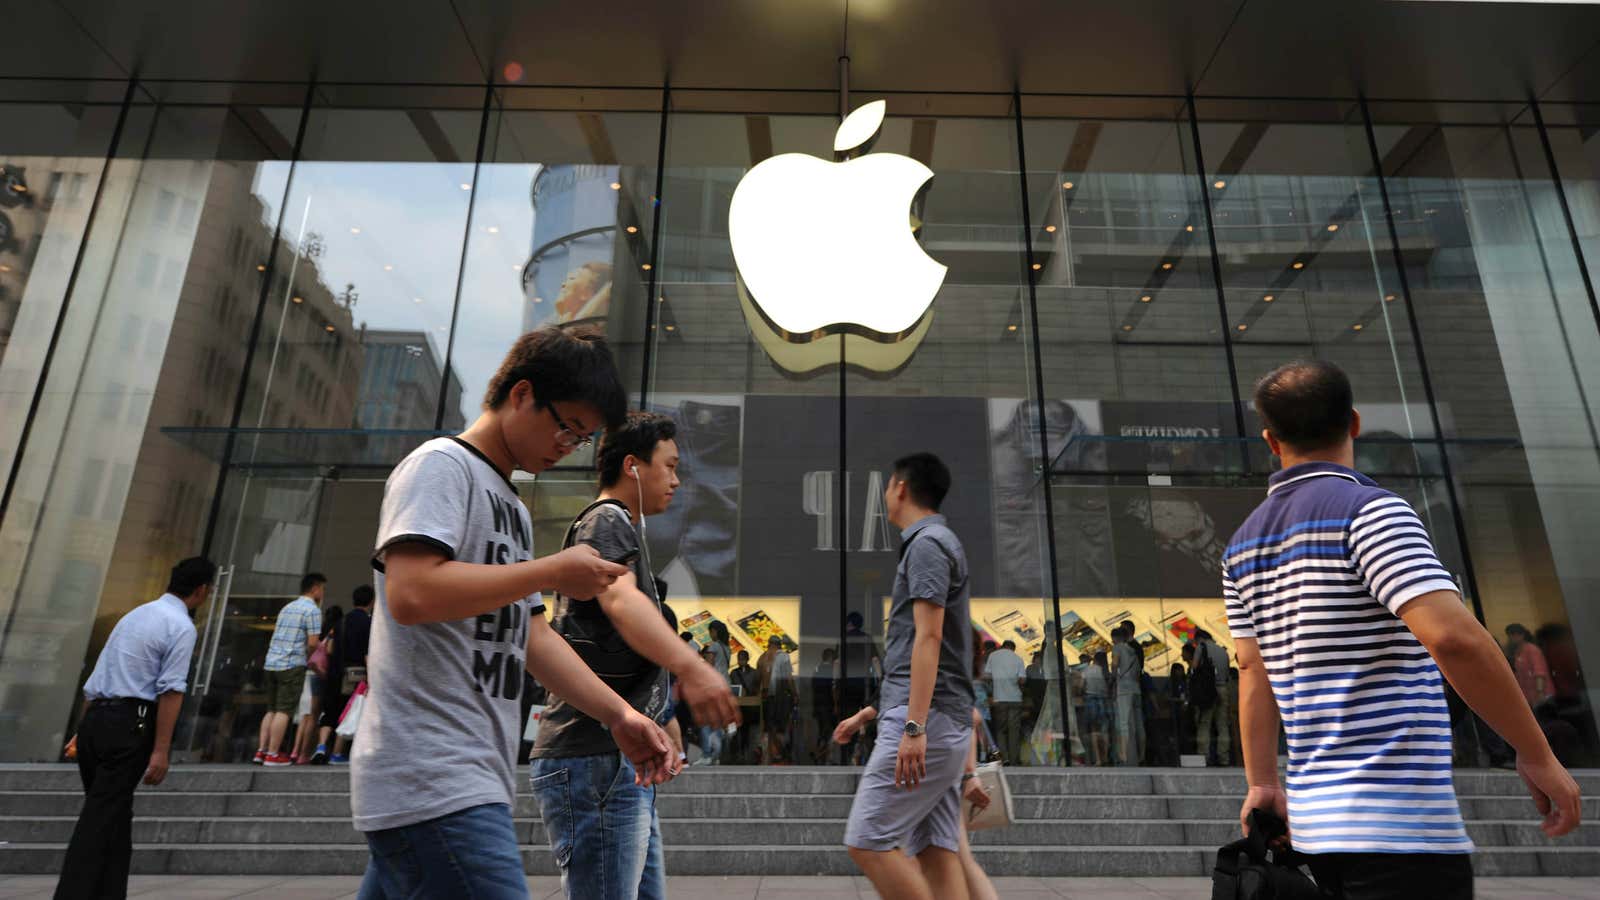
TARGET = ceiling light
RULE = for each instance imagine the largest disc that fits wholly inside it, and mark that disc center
(328, 328)
(672, 328)
(538, 299)
(1298, 265)
(1038, 266)
(645, 267)
(1219, 184)
(516, 267)
(1243, 326)
(494, 229)
(388, 267)
(354, 230)
(1166, 265)
(261, 267)
(299, 299)
(633, 229)
(416, 299)
(616, 185)
(1050, 229)
(1357, 326)
(1268, 298)
(465, 186)
(1066, 185)
(1011, 328)
(1333, 227)
(1188, 228)
(1388, 298)
(1145, 299)
(1127, 328)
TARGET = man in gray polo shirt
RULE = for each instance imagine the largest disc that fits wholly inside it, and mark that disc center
(908, 802)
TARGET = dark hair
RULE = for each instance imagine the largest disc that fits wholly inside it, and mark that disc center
(331, 617)
(1101, 661)
(311, 580)
(719, 631)
(564, 365)
(637, 436)
(190, 575)
(688, 636)
(854, 620)
(743, 653)
(1306, 404)
(362, 596)
(1519, 630)
(926, 477)
(829, 654)
(1009, 645)
(1200, 634)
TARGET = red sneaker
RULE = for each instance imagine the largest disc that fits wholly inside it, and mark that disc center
(260, 757)
(274, 760)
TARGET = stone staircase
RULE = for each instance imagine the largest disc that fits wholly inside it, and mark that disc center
(238, 820)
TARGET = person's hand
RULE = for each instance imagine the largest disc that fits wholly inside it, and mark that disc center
(1269, 797)
(911, 764)
(1554, 792)
(581, 573)
(646, 746)
(70, 751)
(156, 772)
(709, 696)
(972, 792)
(848, 729)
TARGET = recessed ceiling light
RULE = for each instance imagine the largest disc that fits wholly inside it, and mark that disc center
(633, 229)
(388, 267)
(1188, 228)
(354, 230)
(261, 267)
(645, 267)
(1333, 227)
(1127, 328)
(672, 328)
(1219, 184)
(1268, 298)
(1011, 328)
(494, 229)
(1243, 326)
(328, 328)
(1145, 299)
(1038, 266)
(516, 267)
(465, 186)
(1166, 265)
(1066, 185)
(538, 299)
(1298, 264)
(298, 299)
(1357, 326)
(1388, 298)
(616, 185)
(1051, 229)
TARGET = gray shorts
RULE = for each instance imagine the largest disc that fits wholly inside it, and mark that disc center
(885, 816)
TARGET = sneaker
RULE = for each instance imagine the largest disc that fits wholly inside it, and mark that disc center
(274, 760)
(260, 757)
(320, 758)
(339, 759)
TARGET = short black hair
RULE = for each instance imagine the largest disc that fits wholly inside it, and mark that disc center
(1517, 629)
(361, 597)
(564, 365)
(719, 631)
(311, 580)
(1306, 404)
(637, 436)
(1009, 645)
(190, 575)
(1200, 634)
(926, 477)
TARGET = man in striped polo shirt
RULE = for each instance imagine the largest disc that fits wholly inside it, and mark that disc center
(1343, 619)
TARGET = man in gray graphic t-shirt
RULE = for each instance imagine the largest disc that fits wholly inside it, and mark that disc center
(457, 621)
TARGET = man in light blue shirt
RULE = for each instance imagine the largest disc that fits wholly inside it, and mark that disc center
(131, 704)
(296, 634)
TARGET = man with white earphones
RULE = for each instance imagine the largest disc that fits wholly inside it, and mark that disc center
(603, 826)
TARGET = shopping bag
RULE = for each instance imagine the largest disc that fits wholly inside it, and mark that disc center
(352, 713)
(531, 733)
(999, 813)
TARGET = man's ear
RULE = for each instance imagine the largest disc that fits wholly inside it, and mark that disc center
(1355, 424)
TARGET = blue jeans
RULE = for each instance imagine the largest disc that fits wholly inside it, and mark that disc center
(471, 853)
(711, 743)
(602, 828)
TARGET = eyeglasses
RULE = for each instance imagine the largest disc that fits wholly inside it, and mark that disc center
(566, 436)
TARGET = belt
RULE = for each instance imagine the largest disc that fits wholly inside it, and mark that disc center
(119, 701)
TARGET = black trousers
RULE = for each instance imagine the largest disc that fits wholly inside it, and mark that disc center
(114, 744)
(1379, 876)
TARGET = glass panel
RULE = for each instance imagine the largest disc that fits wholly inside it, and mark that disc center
(1505, 323)
(153, 346)
(753, 538)
(1138, 399)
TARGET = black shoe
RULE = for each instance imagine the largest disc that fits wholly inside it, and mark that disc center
(319, 758)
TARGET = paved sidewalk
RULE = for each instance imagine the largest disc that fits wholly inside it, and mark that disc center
(338, 887)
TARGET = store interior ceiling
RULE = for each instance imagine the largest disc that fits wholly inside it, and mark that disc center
(1424, 50)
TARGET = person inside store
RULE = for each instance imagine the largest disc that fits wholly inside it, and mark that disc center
(609, 844)
(294, 637)
(1372, 638)
(130, 709)
(775, 679)
(350, 651)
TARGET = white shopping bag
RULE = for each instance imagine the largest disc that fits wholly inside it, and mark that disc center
(999, 813)
(352, 713)
(531, 733)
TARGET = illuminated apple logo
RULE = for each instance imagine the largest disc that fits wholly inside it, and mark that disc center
(827, 247)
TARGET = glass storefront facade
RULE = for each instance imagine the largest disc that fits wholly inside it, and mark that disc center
(227, 310)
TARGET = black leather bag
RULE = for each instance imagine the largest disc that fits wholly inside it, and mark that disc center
(1249, 869)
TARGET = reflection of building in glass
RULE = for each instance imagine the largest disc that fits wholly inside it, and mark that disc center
(587, 222)
(400, 383)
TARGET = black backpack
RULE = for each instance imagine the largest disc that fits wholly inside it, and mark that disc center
(1248, 870)
(1203, 679)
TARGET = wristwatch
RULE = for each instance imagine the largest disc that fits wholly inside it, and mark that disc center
(965, 776)
(915, 729)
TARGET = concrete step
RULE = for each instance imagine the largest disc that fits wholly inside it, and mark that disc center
(751, 859)
(738, 832)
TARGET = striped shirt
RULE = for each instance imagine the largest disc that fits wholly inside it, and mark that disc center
(1317, 575)
(297, 623)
